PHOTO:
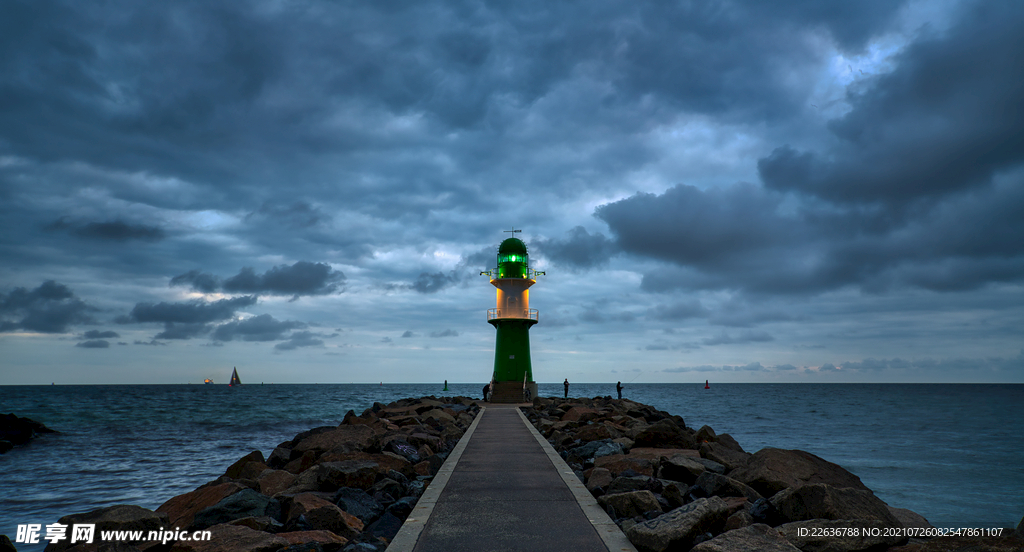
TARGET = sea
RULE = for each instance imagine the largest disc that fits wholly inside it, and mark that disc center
(953, 453)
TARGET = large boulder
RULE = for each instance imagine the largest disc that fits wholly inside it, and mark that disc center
(910, 518)
(232, 538)
(358, 503)
(681, 468)
(310, 511)
(122, 517)
(271, 481)
(331, 476)
(820, 501)
(676, 530)
(840, 535)
(182, 509)
(344, 438)
(713, 484)
(664, 434)
(724, 455)
(599, 477)
(627, 505)
(18, 431)
(618, 463)
(245, 503)
(328, 541)
(771, 470)
(248, 467)
(758, 537)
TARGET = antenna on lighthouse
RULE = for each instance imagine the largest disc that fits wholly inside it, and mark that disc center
(513, 230)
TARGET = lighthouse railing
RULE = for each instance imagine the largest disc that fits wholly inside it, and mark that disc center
(493, 314)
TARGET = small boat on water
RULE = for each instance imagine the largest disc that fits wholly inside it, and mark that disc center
(208, 381)
(234, 378)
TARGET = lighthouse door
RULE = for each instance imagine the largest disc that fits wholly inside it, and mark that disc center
(512, 306)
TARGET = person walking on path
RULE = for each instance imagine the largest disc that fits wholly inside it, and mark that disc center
(618, 387)
(566, 388)
(487, 389)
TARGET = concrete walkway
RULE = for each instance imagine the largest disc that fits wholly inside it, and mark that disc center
(504, 488)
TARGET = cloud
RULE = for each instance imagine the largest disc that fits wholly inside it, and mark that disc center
(115, 230)
(409, 333)
(300, 339)
(433, 283)
(96, 334)
(300, 214)
(299, 279)
(445, 333)
(748, 336)
(179, 330)
(257, 328)
(49, 308)
(681, 310)
(579, 250)
(190, 312)
(94, 344)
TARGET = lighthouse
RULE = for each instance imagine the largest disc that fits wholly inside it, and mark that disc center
(512, 318)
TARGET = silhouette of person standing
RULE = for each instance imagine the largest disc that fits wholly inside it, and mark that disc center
(566, 387)
(618, 387)
(487, 389)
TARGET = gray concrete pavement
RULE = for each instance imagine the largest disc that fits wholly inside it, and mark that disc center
(504, 492)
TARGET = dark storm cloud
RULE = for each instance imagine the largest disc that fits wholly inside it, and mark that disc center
(258, 328)
(189, 312)
(300, 214)
(579, 250)
(94, 344)
(301, 278)
(97, 334)
(433, 283)
(115, 230)
(178, 330)
(409, 333)
(946, 120)
(49, 308)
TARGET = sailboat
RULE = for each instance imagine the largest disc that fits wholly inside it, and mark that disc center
(234, 378)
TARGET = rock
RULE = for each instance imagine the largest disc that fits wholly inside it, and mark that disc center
(245, 503)
(234, 471)
(386, 527)
(619, 463)
(680, 468)
(259, 523)
(1003, 543)
(439, 415)
(910, 518)
(599, 477)
(627, 484)
(705, 435)
(724, 455)
(674, 492)
(1020, 528)
(402, 507)
(608, 449)
(271, 482)
(580, 414)
(655, 454)
(664, 434)
(18, 431)
(232, 538)
(385, 461)
(345, 438)
(631, 504)
(713, 484)
(825, 535)
(677, 529)
(6, 545)
(361, 547)
(741, 518)
(182, 509)
(820, 501)
(319, 513)
(331, 476)
(758, 537)
(727, 440)
(122, 517)
(711, 465)
(328, 541)
(585, 452)
(358, 503)
(595, 432)
(771, 470)
(763, 511)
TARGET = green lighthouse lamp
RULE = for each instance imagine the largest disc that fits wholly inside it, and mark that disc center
(512, 317)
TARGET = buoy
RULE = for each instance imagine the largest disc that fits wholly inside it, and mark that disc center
(445, 385)
(706, 386)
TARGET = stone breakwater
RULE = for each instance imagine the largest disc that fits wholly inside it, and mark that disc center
(670, 487)
(335, 488)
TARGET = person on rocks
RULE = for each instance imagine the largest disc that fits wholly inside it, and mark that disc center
(566, 388)
(618, 387)
(487, 390)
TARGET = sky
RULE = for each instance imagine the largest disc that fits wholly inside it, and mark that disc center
(738, 191)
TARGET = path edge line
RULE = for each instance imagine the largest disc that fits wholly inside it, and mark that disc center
(612, 537)
(413, 526)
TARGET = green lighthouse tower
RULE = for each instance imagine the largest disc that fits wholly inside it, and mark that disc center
(512, 317)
